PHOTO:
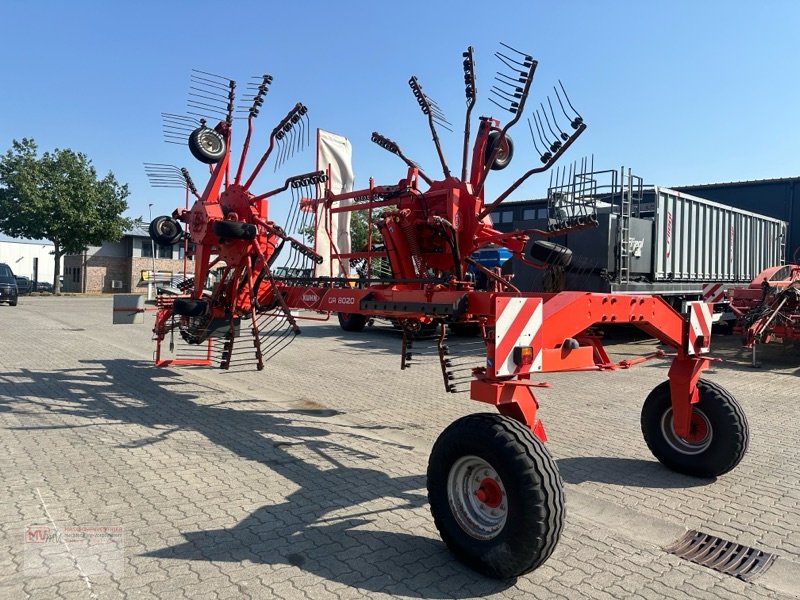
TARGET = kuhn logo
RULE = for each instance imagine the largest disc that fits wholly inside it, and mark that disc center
(310, 297)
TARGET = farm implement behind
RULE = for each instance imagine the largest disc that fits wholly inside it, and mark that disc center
(495, 492)
(768, 309)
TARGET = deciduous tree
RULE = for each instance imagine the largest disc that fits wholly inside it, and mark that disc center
(58, 197)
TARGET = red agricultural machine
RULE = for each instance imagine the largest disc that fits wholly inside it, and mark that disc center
(495, 492)
(769, 308)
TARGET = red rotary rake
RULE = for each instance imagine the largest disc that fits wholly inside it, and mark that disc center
(495, 492)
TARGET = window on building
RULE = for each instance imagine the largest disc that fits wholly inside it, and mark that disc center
(76, 275)
(165, 252)
(147, 249)
(504, 216)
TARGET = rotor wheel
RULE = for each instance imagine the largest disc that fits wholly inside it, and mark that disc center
(504, 154)
(165, 231)
(235, 230)
(495, 494)
(207, 145)
(352, 321)
(187, 307)
(718, 436)
(551, 253)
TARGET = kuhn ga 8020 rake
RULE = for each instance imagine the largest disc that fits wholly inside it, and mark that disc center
(495, 492)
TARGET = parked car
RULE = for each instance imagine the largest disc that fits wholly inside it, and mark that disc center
(24, 285)
(8, 285)
(44, 286)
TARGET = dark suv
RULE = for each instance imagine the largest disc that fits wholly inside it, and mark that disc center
(24, 285)
(8, 285)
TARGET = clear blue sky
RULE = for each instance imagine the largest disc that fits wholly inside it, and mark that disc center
(682, 91)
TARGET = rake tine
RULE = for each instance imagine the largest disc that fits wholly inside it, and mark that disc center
(564, 136)
(574, 122)
(535, 145)
(556, 144)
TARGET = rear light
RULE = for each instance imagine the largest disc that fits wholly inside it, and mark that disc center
(523, 356)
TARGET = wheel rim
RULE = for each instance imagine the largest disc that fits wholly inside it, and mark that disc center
(477, 497)
(167, 229)
(210, 142)
(700, 433)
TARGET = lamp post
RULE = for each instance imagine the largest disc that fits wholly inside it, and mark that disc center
(150, 288)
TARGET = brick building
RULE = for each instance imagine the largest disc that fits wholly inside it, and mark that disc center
(116, 267)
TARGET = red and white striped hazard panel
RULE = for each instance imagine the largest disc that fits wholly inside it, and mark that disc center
(713, 292)
(699, 327)
(518, 324)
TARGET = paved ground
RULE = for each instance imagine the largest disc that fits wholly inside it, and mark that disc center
(306, 480)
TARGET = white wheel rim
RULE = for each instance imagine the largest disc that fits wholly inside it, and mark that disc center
(682, 445)
(477, 497)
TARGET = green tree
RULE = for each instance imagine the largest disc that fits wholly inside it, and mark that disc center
(359, 226)
(58, 197)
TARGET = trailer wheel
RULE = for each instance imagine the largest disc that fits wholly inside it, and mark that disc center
(352, 321)
(206, 145)
(551, 253)
(504, 155)
(719, 433)
(165, 231)
(495, 494)
(235, 230)
(186, 307)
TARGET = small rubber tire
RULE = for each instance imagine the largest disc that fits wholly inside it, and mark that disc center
(529, 482)
(235, 230)
(716, 416)
(551, 253)
(504, 156)
(188, 307)
(352, 321)
(165, 231)
(207, 145)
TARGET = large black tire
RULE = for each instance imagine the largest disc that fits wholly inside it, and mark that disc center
(187, 307)
(352, 321)
(13, 302)
(235, 230)
(165, 231)
(504, 156)
(719, 434)
(551, 253)
(501, 458)
(207, 145)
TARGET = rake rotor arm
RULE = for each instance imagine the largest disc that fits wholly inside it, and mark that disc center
(245, 148)
(391, 146)
(518, 110)
(550, 161)
(428, 111)
(312, 178)
(471, 93)
(297, 109)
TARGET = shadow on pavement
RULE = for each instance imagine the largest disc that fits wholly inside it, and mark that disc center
(631, 472)
(324, 527)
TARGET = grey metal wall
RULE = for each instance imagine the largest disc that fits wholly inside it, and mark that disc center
(697, 239)
(778, 198)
